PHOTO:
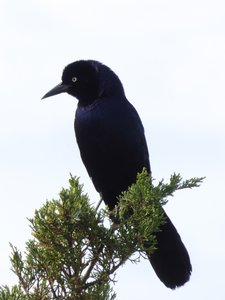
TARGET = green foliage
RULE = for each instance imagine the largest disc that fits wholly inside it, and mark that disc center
(77, 249)
(15, 293)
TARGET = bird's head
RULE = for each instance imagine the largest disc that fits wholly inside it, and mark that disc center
(88, 80)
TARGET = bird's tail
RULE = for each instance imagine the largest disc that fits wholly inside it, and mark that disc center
(170, 260)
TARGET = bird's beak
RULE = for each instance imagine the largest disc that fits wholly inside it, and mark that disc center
(60, 88)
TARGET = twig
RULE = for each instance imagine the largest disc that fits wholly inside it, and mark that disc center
(99, 203)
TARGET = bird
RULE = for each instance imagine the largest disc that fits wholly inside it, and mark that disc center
(111, 139)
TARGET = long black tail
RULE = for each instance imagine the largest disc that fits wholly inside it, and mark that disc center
(171, 261)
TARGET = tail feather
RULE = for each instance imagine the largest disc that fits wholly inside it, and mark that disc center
(171, 261)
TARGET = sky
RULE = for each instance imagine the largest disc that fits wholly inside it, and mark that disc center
(170, 56)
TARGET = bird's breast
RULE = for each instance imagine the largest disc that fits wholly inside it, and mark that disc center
(112, 145)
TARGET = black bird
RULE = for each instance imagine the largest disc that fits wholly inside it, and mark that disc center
(112, 144)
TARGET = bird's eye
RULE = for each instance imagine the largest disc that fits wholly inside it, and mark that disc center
(74, 79)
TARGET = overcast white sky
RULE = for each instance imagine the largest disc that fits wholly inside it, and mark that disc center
(170, 56)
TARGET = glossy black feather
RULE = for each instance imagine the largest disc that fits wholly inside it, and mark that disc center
(112, 144)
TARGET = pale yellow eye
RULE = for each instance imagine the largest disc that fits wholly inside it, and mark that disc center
(74, 79)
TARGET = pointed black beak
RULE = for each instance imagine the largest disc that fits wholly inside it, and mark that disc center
(60, 88)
